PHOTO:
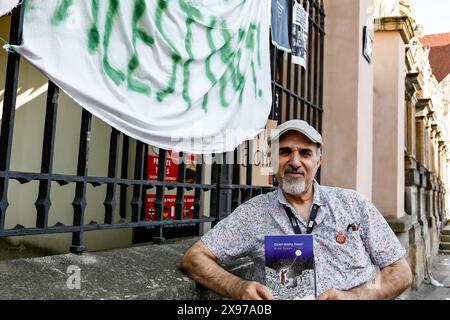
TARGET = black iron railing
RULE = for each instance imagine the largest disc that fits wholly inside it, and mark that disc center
(297, 93)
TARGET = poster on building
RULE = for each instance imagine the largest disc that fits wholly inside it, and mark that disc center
(6, 6)
(300, 25)
(190, 76)
(280, 25)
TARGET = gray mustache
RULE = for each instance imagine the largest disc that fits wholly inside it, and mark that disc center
(292, 170)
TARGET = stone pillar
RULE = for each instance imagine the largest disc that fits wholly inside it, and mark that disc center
(422, 249)
(439, 202)
(392, 33)
(422, 201)
(430, 209)
(429, 199)
(422, 109)
(412, 208)
(411, 87)
(348, 83)
(412, 174)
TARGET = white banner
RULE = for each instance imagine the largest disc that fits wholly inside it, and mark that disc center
(187, 75)
(7, 5)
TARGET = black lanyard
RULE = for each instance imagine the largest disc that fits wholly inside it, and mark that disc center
(294, 220)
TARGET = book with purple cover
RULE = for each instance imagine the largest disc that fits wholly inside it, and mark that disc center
(289, 266)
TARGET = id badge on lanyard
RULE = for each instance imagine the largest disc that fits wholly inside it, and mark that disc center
(294, 220)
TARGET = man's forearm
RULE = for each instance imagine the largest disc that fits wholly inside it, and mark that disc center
(389, 283)
(207, 272)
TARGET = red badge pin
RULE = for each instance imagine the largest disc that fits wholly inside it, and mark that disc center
(340, 238)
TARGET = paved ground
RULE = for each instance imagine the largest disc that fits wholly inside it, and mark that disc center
(145, 272)
(142, 272)
(441, 273)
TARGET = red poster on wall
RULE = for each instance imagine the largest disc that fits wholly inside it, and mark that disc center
(172, 165)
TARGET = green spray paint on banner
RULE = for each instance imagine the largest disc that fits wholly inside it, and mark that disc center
(213, 49)
(30, 5)
(250, 44)
(62, 11)
(138, 34)
(231, 80)
(192, 15)
(176, 56)
(94, 35)
(116, 75)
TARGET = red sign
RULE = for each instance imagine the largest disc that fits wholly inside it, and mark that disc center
(169, 207)
(171, 168)
(172, 162)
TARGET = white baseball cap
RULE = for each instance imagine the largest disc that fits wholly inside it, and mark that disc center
(298, 125)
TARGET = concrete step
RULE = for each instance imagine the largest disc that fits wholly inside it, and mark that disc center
(444, 246)
(445, 238)
(446, 231)
(444, 252)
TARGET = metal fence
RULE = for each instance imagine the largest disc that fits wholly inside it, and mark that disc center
(297, 93)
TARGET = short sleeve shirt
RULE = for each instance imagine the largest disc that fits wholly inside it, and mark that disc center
(369, 241)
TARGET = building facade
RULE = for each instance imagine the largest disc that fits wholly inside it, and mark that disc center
(387, 128)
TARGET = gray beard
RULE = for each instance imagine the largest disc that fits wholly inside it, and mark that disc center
(293, 186)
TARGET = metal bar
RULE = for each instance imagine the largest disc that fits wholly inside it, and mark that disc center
(124, 175)
(79, 203)
(198, 180)
(145, 187)
(321, 74)
(249, 160)
(9, 107)
(297, 100)
(98, 181)
(215, 194)
(160, 191)
(293, 94)
(288, 64)
(226, 180)
(310, 30)
(160, 196)
(243, 194)
(303, 81)
(179, 201)
(113, 167)
(316, 72)
(239, 186)
(235, 195)
(43, 202)
(94, 227)
(280, 62)
(136, 202)
(273, 68)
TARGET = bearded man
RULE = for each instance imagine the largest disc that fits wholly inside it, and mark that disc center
(357, 256)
